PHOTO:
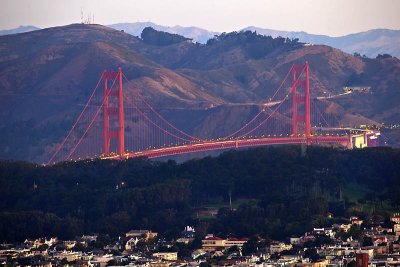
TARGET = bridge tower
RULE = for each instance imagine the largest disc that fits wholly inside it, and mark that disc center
(301, 101)
(113, 110)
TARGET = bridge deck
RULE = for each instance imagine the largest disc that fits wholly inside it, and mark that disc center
(231, 144)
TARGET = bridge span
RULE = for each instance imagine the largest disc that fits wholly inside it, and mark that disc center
(110, 127)
(344, 141)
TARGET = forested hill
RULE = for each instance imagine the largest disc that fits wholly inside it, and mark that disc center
(154, 37)
(276, 192)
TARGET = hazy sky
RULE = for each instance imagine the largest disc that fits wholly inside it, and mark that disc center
(331, 17)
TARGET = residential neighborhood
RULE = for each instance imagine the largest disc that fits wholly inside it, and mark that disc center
(341, 244)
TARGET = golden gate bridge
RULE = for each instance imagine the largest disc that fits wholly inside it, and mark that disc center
(115, 126)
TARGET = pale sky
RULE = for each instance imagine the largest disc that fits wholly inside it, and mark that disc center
(330, 17)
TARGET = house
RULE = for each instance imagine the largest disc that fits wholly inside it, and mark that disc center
(187, 235)
(288, 260)
(188, 232)
(131, 243)
(395, 218)
(211, 242)
(396, 228)
(329, 232)
(69, 244)
(357, 221)
(318, 231)
(184, 240)
(217, 254)
(380, 239)
(69, 255)
(44, 241)
(331, 251)
(379, 229)
(113, 246)
(168, 256)
(89, 238)
(344, 227)
(40, 251)
(146, 234)
(320, 263)
(101, 261)
(239, 242)
(198, 253)
(353, 218)
(324, 231)
(279, 247)
(295, 240)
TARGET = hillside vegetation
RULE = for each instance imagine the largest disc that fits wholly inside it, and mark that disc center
(276, 190)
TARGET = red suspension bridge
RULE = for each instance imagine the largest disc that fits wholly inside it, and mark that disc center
(114, 126)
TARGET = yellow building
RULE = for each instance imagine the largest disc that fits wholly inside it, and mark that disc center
(169, 256)
(211, 243)
(321, 263)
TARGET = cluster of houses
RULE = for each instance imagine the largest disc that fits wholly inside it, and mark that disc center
(377, 246)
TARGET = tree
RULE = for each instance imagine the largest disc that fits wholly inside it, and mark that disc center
(355, 231)
(43, 247)
(79, 247)
(251, 246)
(154, 37)
(367, 241)
(351, 264)
(196, 243)
(112, 263)
(312, 254)
(379, 56)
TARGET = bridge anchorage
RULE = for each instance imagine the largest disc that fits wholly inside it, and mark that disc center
(114, 126)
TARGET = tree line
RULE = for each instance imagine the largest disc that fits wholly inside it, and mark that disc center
(289, 192)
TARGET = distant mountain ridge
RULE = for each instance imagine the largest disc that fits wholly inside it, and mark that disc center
(370, 43)
(196, 34)
(20, 29)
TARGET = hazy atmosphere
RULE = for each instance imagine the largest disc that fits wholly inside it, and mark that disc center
(200, 133)
(332, 18)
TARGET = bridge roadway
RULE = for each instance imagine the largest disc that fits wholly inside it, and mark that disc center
(343, 140)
